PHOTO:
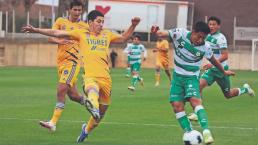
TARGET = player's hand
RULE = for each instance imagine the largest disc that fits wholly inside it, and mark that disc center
(28, 29)
(154, 29)
(229, 73)
(136, 21)
(207, 66)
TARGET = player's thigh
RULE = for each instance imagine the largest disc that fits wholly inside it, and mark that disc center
(224, 84)
(209, 77)
(192, 87)
(68, 74)
(105, 91)
(177, 89)
(135, 67)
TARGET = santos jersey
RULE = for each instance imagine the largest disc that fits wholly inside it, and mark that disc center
(68, 53)
(188, 58)
(218, 42)
(135, 53)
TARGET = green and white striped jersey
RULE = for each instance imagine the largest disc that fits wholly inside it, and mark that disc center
(218, 42)
(135, 53)
(187, 57)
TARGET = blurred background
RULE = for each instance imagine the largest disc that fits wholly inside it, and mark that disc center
(239, 24)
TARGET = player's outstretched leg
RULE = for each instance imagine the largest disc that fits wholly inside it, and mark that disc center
(249, 90)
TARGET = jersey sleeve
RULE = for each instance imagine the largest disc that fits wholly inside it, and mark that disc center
(175, 33)
(144, 51)
(75, 34)
(114, 36)
(208, 53)
(222, 42)
(57, 24)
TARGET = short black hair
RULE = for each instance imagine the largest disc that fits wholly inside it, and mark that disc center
(94, 14)
(213, 18)
(201, 26)
(76, 3)
(137, 36)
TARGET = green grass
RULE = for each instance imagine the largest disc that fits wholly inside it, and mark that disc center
(144, 117)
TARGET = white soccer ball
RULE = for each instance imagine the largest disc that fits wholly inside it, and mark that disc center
(193, 137)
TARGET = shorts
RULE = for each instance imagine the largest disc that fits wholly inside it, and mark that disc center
(102, 85)
(67, 74)
(163, 63)
(136, 67)
(222, 80)
(184, 87)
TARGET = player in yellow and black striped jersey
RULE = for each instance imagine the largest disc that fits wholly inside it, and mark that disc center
(68, 62)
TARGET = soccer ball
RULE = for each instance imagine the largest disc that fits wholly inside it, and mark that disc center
(192, 138)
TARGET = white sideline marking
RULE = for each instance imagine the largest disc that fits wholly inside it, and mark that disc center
(131, 123)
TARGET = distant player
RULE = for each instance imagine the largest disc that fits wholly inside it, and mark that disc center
(94, 44)
(135, 54)
(162, 60)
(68, 62)
(190, 48)
(219, 46)
(128, 68)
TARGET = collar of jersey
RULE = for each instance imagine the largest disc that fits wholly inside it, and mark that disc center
(216, 32)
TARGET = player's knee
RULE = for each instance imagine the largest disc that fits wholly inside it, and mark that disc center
(227, 95)
(178, 107)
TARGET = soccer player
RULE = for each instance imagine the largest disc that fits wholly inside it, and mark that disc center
(162, 60)
(189, 49)
(68, 62)
(135, 54)
(128, 68)
(219, 46)
(93, 43)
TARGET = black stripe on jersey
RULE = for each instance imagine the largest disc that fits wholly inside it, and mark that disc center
(74, 61)
(104, 61)
(75, 49)
(73, 55)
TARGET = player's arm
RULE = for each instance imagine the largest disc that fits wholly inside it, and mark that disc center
(159, 33)
(218, 65)
(128, 33)
(59, 41)
(144, 53)
(47, 32)
(224, 57)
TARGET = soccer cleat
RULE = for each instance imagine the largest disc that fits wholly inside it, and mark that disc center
(250, 91)
(92, 109)
(156, 84)
(49, 125)
(141, 81)
(192, 117)
(83, 134)
(131, 88)
(127, 76)
(208, 139)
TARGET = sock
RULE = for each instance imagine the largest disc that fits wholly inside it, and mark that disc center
(134, 80)
(242, 90)
(93, 96)
(184, 121)
(202, 116)
(157, 77)
(91, 125)
(57, 112)
(128, 71)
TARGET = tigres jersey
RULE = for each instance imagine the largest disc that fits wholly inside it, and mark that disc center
(69, 53)
(94, 51)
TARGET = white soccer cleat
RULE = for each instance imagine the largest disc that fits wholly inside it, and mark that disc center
(156, 84)
(127, 76)
(208, 139)
(49, 125)
(92, 109)
(131, 88)
(250, 91)
(192, 117)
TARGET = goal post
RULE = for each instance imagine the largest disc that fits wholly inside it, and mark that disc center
(254, 58)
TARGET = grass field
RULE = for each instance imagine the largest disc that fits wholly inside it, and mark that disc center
(144, 117)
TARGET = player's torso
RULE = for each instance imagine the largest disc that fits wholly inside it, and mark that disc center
(95, 54)
(217, 42)
(162, 45)
(69, 53)
(135, 52)
(187, 58)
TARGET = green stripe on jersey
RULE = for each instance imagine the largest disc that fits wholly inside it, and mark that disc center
(187, 67)
(190, 48)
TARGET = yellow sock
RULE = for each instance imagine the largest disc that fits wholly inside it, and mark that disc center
(56, 115)
(93, 96)
(157, 77)
(92, 123)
